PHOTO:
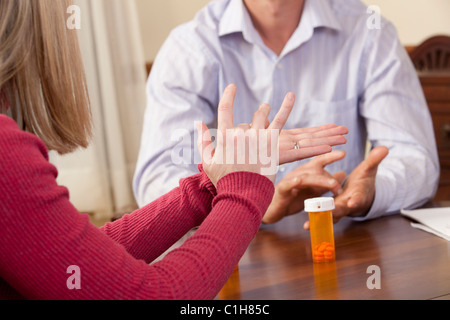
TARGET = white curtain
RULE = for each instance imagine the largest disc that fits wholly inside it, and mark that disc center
(100, 178)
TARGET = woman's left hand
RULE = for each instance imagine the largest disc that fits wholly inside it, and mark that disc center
(299, 144)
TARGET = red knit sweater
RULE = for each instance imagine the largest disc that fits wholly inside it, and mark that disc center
(42, 234)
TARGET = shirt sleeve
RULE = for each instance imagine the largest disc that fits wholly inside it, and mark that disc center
(182, 89)
(44, 236)
(397, 116)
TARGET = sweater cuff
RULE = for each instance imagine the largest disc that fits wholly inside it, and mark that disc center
(205, 182)
(249, 186)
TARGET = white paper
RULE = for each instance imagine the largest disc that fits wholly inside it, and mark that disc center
(433, 220)
(425, 228)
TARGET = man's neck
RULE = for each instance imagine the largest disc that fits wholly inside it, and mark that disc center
(275, 20)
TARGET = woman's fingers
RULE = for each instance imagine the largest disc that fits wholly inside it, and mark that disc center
(303, 153)
(330, 135)
(282, 115)
(327, 141)
(204, 143)
(260, 117)
(225, 113)
(312, 129)
(307, 148)
(319, 132)
(287, 143)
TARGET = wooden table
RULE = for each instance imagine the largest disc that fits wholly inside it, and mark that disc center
(413, 264)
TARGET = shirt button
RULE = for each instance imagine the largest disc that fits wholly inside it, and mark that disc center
(279, 66)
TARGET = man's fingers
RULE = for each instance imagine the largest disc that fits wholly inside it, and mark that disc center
(282, 115)
(356, 200)
(310, 181)
(376, 156)
(302, 153)
(340, 176)
(353, 201)
(329, 158)
(225, 113)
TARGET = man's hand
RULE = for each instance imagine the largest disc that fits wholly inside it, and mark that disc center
(307, 181)
(359, 189)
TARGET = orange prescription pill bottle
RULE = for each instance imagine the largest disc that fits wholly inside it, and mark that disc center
(321, 228)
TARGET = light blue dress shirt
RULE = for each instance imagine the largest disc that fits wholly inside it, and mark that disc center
(341, 70)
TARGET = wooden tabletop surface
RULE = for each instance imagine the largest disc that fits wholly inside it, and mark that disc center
(412, 264)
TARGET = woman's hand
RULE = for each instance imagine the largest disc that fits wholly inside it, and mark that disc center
(310, 142)
(251, 148)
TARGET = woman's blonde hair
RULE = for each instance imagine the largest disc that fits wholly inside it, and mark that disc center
(42, 76)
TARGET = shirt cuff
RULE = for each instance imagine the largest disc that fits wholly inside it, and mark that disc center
(384, 197)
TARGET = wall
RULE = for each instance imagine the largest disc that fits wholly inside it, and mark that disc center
(158, 17)
(416, 20)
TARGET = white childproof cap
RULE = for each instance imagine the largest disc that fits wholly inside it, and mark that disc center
(319, 205)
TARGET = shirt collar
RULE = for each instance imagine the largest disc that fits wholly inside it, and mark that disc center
(317, 13)
(236, 19)
(231, 20)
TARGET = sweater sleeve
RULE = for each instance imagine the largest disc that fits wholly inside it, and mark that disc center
(151, 230)
(44, 236)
